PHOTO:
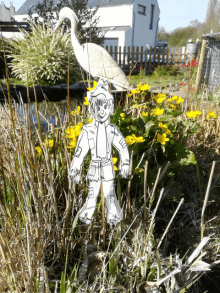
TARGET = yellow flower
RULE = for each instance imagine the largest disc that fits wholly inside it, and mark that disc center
(92, 88)
(129, 95)
(130, 140)
(72, 143)
(139, 86)
(162, 138)
(160, 100)
(174, 98)
(49, 143)
(75, 111)
(158, 96)
(157, 112)
(80, 124)
(198, 113)
(139, 139)
(74, 131)
(144, 113)
(39, 150)
(138, 170)
(179, 100)
(211, 115)
(86, 101)
(193, 114)
(145, 87)
(163, 126)
(168, 132)
(136, 106)
(90, 120)
(114, 161)
(135, 91)
(169, 100)
(122, 116)
(172, 106)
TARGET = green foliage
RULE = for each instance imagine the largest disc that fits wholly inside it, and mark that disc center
(44, 54)
(180, 36)
(163, 35)
(49, 12)
(156, 135)
(166, 71)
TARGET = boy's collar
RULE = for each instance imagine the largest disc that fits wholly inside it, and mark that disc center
(106, 123)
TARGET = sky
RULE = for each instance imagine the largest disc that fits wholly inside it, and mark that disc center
(173, 13)
(179, 13)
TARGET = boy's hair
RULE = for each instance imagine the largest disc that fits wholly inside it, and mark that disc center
(100, 99)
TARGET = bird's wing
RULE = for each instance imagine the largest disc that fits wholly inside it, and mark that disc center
(101, 64)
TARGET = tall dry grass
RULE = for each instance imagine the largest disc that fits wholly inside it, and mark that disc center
(40, 237)
(44, 248)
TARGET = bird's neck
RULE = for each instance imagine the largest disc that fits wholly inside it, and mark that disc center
(75, 42)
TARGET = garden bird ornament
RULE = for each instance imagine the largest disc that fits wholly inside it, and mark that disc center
(93, 58)
(98, 138)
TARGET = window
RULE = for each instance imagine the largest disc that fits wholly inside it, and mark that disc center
(151, 17)
(141, 9)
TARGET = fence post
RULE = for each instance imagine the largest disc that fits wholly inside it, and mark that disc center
(201, 61)
(120, 56)
(129, 56)
(145, 61)
(141, 56)
(116, 53)
(124, 52)
(163, 52)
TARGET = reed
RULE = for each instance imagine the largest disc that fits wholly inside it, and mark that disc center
(41, 240)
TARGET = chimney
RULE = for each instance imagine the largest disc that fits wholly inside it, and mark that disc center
(12, 8)
(2, 3)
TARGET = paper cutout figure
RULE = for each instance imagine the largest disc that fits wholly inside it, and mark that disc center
(98, 137)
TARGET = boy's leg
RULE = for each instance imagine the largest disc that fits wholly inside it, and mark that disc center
(86, 212)
(114, 212)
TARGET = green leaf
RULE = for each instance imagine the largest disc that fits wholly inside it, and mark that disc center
(139, 122)
(190, 159)
(134, 128)
(145, 118)
(163, 148)
(148, 126)
(117, 113)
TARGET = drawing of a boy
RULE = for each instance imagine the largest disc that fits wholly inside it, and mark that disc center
(99, 137)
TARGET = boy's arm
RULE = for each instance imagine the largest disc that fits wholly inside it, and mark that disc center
(81, 151)
(121, 146)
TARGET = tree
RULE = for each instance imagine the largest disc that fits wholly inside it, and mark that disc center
(87, 26)
(163, 35)
(180, 36)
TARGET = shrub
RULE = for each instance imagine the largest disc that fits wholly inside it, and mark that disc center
(166, 70)
(43, 52)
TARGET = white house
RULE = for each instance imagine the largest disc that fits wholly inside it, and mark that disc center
(125, 22)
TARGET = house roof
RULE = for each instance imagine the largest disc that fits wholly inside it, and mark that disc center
(210, 35)
(114, 28)
(28, 4)
(91, 3)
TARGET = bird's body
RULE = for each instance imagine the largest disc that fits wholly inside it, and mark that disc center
(94, 59)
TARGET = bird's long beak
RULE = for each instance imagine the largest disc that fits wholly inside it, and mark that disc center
(57, 25)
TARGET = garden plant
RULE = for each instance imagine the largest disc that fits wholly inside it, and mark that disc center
(41, 236)
(169, 237)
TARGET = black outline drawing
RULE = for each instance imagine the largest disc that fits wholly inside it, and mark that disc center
(98, 137)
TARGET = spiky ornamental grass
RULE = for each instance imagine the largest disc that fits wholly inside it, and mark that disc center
(44, 53)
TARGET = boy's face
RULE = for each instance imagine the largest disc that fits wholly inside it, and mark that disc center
(102, 110)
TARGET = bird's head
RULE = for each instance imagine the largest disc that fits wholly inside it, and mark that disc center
(66, 12)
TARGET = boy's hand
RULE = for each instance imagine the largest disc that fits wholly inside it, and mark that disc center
(74, 175)
(125, 170)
